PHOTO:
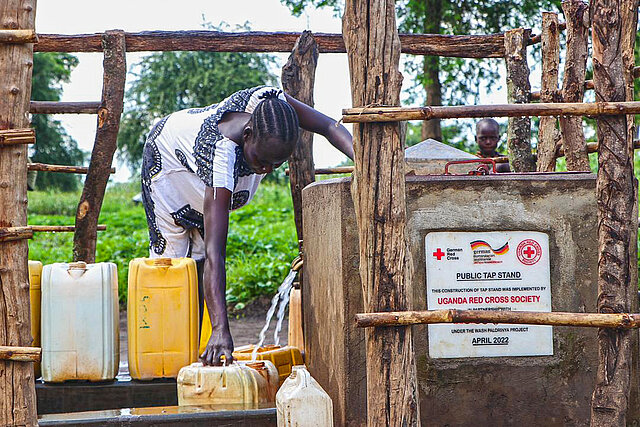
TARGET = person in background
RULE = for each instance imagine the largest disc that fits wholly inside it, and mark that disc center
(487, 138)
(200, 163)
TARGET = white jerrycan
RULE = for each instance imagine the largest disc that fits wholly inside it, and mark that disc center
(80, 338)
(302, 402)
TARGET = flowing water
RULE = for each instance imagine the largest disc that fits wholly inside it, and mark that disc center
(281, 296)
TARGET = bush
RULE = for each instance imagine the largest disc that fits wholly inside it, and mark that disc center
(261, 243)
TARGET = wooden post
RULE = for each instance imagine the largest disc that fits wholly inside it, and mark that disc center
(84, 239)
(576, 14)
(518, 92)
(17, 390)
(298, 76)
(378, 189)
(613, 33)
(548, 135)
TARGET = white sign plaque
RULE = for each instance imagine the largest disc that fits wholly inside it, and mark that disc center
(488, 271)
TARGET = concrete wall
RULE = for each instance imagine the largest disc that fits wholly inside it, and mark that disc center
(542, 390)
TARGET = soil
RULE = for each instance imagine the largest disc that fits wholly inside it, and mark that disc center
(245, 327)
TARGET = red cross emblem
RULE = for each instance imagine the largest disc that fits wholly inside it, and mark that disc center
(529, 252)
(438, 254)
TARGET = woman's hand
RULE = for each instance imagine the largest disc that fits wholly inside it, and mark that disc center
(220, 344)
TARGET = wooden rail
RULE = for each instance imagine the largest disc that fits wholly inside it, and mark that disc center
(59, 228)
(43, 167)
(17, 136)
(18, 36)
(592, 147)
(11, 234)
(51, 107)
(394, 114)
(592, 320)
(465, 46)
(20, 354)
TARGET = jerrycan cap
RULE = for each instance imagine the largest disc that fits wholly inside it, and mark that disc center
(162, 262)
(79, 265)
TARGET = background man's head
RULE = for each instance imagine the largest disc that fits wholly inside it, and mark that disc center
(487, 136)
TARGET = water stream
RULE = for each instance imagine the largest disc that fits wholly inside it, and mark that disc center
(281, 296)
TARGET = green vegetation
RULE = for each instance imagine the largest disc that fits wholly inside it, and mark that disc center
(55, 146)
(450, 81)
(261, 245)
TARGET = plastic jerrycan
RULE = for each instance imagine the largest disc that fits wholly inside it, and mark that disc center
(241, 383)
(162, 316)
(283, 358)
(295, 334)
(35, 276)
(206, 330)
(301, 401)
(79, 322)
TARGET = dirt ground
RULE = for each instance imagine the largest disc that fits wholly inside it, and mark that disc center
(245, 328)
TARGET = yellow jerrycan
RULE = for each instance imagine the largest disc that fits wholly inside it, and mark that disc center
(283, 358)
(241, 383)
(80, 339)
(206, 330)
(35, 276)
(162, 316)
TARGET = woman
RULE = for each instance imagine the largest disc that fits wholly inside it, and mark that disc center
(198, 164)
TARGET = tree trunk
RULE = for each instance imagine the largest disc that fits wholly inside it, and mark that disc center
(17, 390)
(431, 69)
(518, 92)
(576, 15)
(378, 190)
(115, 70)
(613, 34)
(431, 128)
(298, 76)
(548, 135)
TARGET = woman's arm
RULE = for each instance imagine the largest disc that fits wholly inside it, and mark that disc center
(316, 122)
(216, 225)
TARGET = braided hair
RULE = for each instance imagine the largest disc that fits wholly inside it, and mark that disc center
(276, 119)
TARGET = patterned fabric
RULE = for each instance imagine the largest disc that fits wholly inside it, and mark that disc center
(151, 167)
(185, 152)
(239, 199)
(209, 135)
(183, 160)
(189, 218)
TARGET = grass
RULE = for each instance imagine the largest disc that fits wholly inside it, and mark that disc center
(261, 244)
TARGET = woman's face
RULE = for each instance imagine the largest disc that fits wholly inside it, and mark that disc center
(263, 157)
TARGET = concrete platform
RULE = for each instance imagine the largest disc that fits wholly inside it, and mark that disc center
(87, 396)
(167, 415)
(552, 388)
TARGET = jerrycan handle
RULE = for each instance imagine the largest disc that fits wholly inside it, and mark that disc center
(79, 265)
(77, 269)
(162, 262)
(305, 376)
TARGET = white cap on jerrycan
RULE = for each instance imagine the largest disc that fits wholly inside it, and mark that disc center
(301, 401)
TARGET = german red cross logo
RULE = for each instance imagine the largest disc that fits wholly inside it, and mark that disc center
(529, 252)
(438, 254)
